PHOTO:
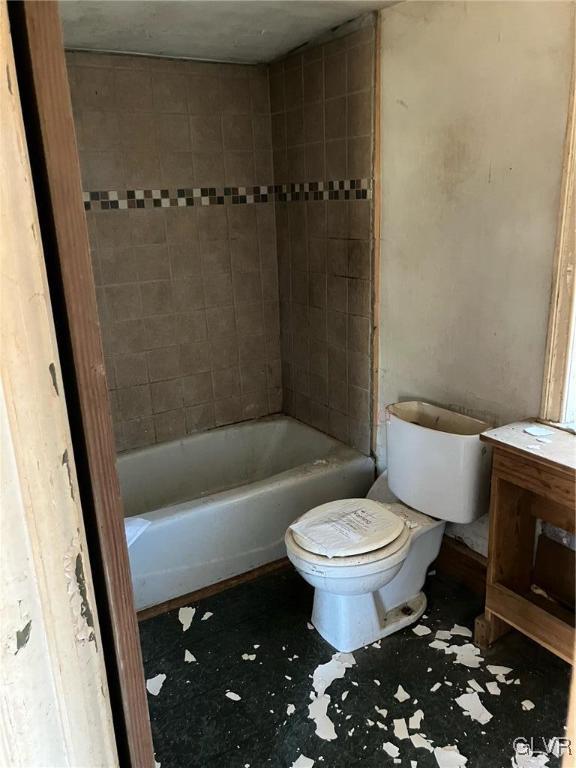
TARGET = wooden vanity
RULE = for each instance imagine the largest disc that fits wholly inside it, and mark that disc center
(533, 477)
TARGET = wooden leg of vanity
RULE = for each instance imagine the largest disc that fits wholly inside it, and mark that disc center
(488, 628)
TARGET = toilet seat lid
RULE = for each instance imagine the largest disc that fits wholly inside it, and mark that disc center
(347, 527)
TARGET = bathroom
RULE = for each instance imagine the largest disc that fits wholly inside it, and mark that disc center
(311, 224)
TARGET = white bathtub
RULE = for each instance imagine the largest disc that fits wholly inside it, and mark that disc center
(219, 502)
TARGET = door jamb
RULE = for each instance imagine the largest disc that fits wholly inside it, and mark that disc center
(42, 75)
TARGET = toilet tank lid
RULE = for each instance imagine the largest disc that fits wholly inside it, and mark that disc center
(347, 527)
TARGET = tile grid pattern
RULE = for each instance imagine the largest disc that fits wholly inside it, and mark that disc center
(322, 127)
(345, 189)
(188, 302)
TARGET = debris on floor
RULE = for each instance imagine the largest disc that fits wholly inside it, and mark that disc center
(154, 684)
(403, 700)
(185, 616)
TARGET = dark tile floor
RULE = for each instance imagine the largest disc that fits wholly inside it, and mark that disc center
(194, 723)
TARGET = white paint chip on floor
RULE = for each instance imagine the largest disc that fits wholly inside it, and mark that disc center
(462, 631)
(415, 721)
(473, 707)
(233, 696)
(419, 741)
(189, 657)
(290, 709)
(443, 634)
(527, 705)
(323, 677)
(185, 616)
(318, 712)
(421, 630)
(449, 757)
(475, 686)
(381, 712)
(435, 687)
(390, 749)
(401, 695)
(325, 674)
(303, 762)
(493, 688)
(468, 655)
(248, 656)
(154, 684)
(207, 616)
(495, 670)
(401, 729)
(441, 645)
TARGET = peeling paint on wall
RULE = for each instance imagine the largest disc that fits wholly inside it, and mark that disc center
(79, 602)
(22, 636)
(52, 369)
(66, 463)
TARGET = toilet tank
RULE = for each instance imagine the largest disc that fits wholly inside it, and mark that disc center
(436, 462)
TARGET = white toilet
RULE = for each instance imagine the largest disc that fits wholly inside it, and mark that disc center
(367, 558)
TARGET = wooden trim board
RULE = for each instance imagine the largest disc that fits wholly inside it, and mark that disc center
(532, 620)
(376, 244)
(41, 70)
(559, 351)
(214, 589)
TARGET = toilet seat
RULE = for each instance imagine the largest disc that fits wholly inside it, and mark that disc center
(365, 563)
(347, 527)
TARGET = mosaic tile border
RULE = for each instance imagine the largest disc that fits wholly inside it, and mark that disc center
(184, 197)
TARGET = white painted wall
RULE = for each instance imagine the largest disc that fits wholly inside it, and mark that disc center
(473, 109)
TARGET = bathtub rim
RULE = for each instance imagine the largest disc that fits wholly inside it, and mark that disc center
(331, 461)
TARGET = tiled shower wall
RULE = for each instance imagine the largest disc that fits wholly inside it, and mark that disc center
(184, 257)
(322, 132)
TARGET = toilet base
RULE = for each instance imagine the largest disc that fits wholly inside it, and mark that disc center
(349, 622)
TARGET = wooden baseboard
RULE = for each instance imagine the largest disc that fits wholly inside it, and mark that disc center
(462, 564)
(213, 589)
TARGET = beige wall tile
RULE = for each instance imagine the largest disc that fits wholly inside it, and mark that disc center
(170, 425)
(206, 133)
(335, 117)
(228, 411)
(200, 418)
(166, 395)
(134, 402)
(157, 297)
(138, 433)
(170, 92)
(203, 95)
(133, 90)
(189, 296)
(197, 389)
(163, 363)
(360, 114)
(226, 383)
(130, 370)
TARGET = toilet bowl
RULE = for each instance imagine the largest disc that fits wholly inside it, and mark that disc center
(367, 559)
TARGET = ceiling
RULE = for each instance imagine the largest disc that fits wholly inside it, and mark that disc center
(248, 31)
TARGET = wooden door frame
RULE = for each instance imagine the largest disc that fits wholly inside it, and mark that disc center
(559, 363)
(43, 82)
